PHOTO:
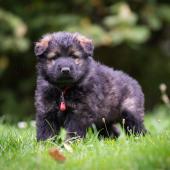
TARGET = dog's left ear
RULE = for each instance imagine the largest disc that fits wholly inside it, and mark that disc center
(86, 44)
(42, 45)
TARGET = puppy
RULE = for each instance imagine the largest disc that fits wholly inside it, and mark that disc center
(74, 91)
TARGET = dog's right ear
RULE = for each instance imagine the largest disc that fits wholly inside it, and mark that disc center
(85, 43)
(42, 45)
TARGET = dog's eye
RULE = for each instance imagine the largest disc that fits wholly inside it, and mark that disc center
(53, 56)
(57, 55)
(74, 56)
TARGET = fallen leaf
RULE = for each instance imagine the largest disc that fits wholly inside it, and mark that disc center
(56, 154)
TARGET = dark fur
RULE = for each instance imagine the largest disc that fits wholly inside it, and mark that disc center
(96, 94)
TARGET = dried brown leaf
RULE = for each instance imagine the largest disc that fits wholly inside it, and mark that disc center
(57, 155)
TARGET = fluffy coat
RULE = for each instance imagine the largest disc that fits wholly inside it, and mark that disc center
(93, 93)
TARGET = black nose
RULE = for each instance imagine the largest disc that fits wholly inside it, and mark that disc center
(65, 70)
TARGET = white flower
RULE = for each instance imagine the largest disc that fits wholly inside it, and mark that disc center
(22, 125)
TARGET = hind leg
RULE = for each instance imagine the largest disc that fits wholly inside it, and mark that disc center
(132, 116)
(132, 124)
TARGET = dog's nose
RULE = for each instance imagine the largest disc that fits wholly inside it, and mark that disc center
(65, 70)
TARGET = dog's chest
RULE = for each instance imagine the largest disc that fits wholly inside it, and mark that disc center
(85, 102)
(90, 106)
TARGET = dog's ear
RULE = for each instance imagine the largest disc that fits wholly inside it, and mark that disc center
(42, 45)
(86, 44)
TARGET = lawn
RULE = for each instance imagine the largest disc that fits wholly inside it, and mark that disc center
(20, 151)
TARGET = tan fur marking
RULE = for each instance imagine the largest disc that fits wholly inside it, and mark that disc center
(83, 40)
(77, 61)
(129, 104)
(44, 41)
(74, 51)
(77, 53)
(51, 55)
(50, 63)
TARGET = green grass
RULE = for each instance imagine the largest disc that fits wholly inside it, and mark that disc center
(20, 151)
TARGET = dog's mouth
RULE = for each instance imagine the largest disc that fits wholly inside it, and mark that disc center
(65, 80)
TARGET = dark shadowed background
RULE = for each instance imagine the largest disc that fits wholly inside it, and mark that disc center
(133, 36)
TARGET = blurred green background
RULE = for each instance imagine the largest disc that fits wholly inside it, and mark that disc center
(133, 36)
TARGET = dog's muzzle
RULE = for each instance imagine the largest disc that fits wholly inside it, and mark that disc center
(65, 70)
